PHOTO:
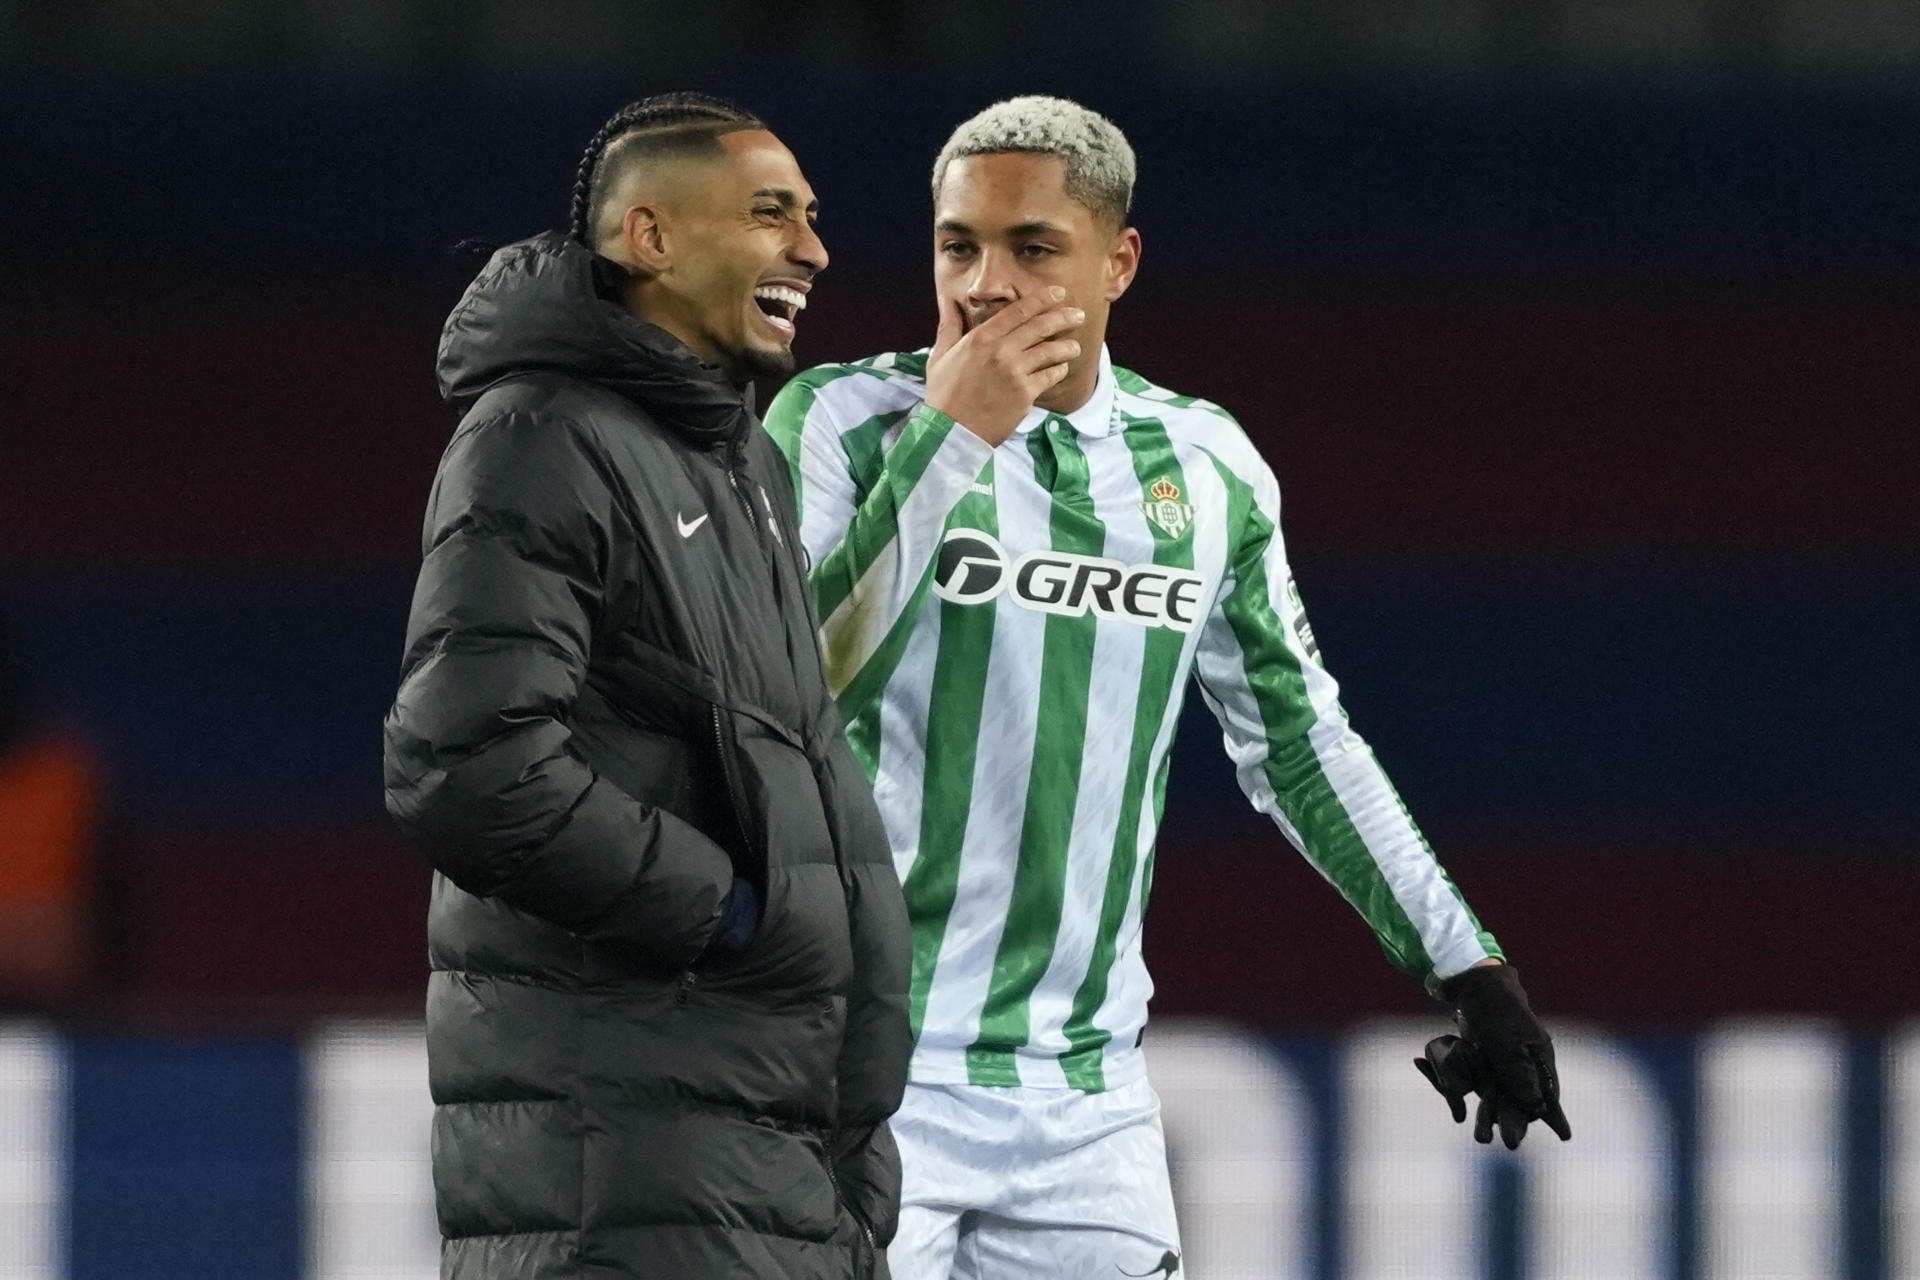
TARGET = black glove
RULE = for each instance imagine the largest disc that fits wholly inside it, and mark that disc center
(1502, 1053)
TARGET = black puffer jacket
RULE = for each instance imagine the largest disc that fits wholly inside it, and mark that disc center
(611, 707)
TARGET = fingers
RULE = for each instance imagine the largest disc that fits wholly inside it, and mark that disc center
(1556, 1119)
(1047, 322)
(1549, 1078)
(1520, 1081)
(1443, 1068)
(1458, 1065)
(1021, 310)
(1513, 1125)
(1014, 314)
(1049, 354)
(1043, 366)
(1456, 1102)
(1031, 320)
(1532, 1086)
(953, 327)
(1514, 1089)
(1498, 1112)
(1549, 1109)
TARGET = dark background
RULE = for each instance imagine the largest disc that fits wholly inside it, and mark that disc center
(1581, 335)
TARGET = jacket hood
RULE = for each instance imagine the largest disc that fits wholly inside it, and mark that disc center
(548, 304)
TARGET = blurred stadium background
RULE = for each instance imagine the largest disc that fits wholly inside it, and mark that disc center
(1582, 334)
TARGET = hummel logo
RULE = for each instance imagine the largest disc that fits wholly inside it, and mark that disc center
(686, 526)
(1169, 1266)
(983, 489)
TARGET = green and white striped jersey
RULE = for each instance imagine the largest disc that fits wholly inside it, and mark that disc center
(1009, 632)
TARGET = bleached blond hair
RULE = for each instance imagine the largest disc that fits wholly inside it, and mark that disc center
(1100, 165)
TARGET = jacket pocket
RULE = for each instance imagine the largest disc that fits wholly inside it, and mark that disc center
(785, 848)
(782, 810)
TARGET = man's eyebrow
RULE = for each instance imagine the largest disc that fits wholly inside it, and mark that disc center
(954, 227)
(786, 198)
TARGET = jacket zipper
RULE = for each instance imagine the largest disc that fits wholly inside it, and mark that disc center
(733, 482)
(866, 1232)
(733, 792)
(734, 789)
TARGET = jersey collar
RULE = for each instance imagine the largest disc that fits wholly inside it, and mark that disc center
(1098, 417)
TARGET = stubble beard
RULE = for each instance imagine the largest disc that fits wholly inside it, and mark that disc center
(767, 364)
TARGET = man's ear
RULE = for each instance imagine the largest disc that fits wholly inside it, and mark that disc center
(1123, 262)
(644, 240)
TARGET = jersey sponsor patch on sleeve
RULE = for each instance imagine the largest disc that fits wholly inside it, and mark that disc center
(1301, 627)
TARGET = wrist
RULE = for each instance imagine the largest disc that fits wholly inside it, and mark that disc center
(931, 418)
(934, 432)
(988, 426)
(1484, 975)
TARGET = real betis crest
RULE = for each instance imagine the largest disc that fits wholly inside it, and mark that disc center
(1165, 509)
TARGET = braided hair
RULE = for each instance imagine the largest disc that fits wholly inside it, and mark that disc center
(665, 121)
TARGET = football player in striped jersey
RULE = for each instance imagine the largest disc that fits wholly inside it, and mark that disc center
(1022, 552)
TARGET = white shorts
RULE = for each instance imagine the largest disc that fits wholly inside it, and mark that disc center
(1006, 1183)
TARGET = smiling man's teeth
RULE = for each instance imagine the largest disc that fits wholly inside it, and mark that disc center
(780, 293)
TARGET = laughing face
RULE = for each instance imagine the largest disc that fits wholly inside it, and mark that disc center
(740, 254)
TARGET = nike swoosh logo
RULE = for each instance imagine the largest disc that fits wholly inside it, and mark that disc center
(688, 527)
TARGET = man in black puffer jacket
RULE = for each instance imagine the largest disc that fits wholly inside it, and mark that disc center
(667, 1017)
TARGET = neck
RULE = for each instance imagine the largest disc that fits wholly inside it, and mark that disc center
(1074, 390)
(657, 308)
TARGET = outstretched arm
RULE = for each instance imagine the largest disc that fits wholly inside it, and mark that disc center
(1300, 762)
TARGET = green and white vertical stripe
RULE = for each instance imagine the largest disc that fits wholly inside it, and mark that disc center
(901, 471)
(1019, 752)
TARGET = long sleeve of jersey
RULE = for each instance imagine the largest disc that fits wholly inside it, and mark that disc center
(874, 500)
(1300, 763)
